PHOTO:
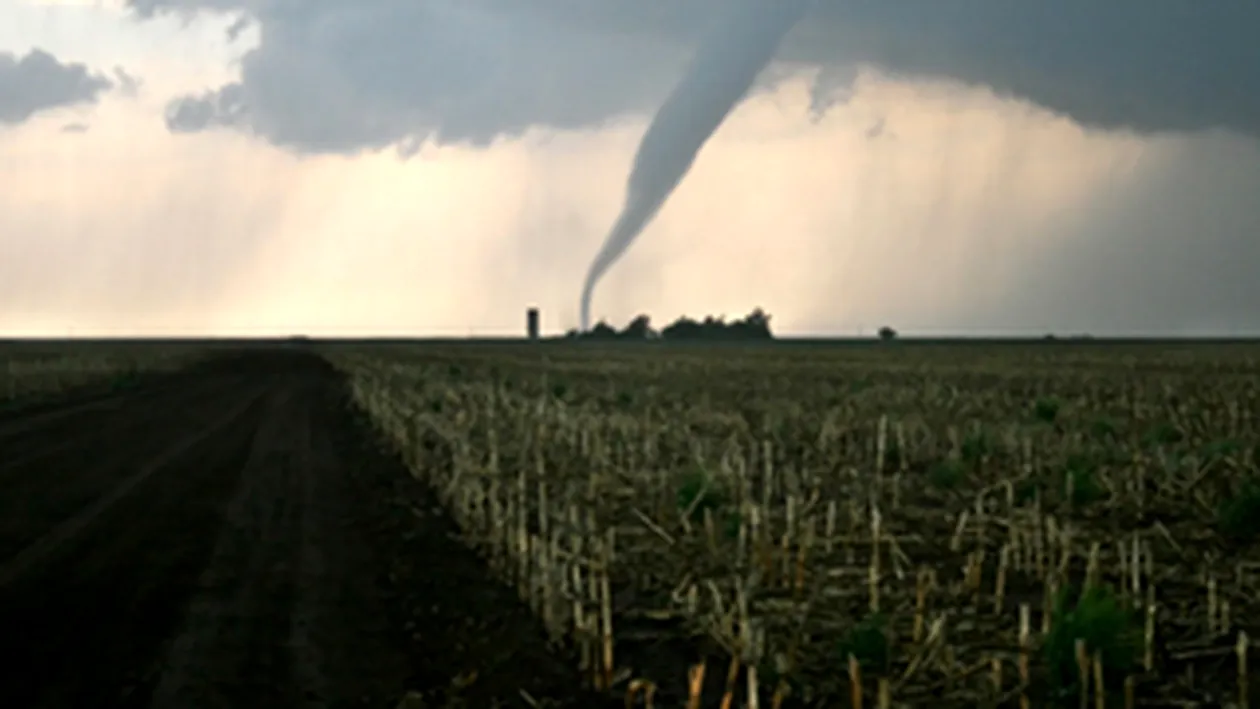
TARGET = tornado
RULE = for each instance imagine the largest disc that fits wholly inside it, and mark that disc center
(720, 74)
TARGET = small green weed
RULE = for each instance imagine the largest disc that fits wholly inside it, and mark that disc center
(975, 446)
(868, 643)
(946, 474)
(1215, 450)
(1103, 429)
(892, 455)
(1026, 491)
(1239, 516)
(698, 491)
(1108, 628)
(1046, 410)
(1080, 480)
(1164, 434)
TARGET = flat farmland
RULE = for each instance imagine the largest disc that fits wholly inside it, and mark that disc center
(429, 524)
(966, 524)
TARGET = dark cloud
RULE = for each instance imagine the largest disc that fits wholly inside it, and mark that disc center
(38, 82)
(1147, 66)
(331, 75)
(75, 128)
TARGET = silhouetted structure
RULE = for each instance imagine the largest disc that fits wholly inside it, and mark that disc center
(754, 326)
(531, 324)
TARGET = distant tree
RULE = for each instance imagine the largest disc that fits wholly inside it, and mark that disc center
(684, 328)
(754, 326)
(758, 319)
(887, 334)
(602, 331)
(639, 329)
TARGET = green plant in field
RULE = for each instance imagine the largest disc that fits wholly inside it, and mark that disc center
(892, 455)
(946, 474)
(1163, 434)
(625, 399)
(435, 406)
(559, 390)
(1103, 429)
(1114, 455)
(731, 521)
(1107, 626)
(454, 371)
(776, 671)
(1026, 491)
(1046, 410)
(698, 491)
(1215, 450)
(975, 446)
(868, 642)
(1239, 516)
(1080, 480)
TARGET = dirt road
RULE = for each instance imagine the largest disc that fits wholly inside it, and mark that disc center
(231, 536)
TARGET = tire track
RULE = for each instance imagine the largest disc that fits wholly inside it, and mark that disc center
(21, 562)
(343, 604)
(81, 625)
(288, 611)
(25, 419)
(243, 591)
(92, 430)
(17, 421)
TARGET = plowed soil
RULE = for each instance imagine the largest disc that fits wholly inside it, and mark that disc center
(233, 536)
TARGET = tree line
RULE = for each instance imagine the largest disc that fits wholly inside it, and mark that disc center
(754, 326)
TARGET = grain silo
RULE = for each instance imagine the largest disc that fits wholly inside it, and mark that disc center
(531, 324)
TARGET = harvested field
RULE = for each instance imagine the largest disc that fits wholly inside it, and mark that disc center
(962, 525)
(232, 535)
(30, 374)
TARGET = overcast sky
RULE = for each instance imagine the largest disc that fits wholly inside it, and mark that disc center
(435, 166)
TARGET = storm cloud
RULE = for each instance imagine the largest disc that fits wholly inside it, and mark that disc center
(335, 76)
(1165, 244)
(38, 82)
(1172, 250)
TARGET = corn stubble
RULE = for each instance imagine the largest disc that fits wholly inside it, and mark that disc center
(879, 527)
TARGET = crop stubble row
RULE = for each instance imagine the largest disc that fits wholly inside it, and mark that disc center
(781, 504)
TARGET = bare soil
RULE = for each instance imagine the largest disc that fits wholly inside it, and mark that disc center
(233, 536)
